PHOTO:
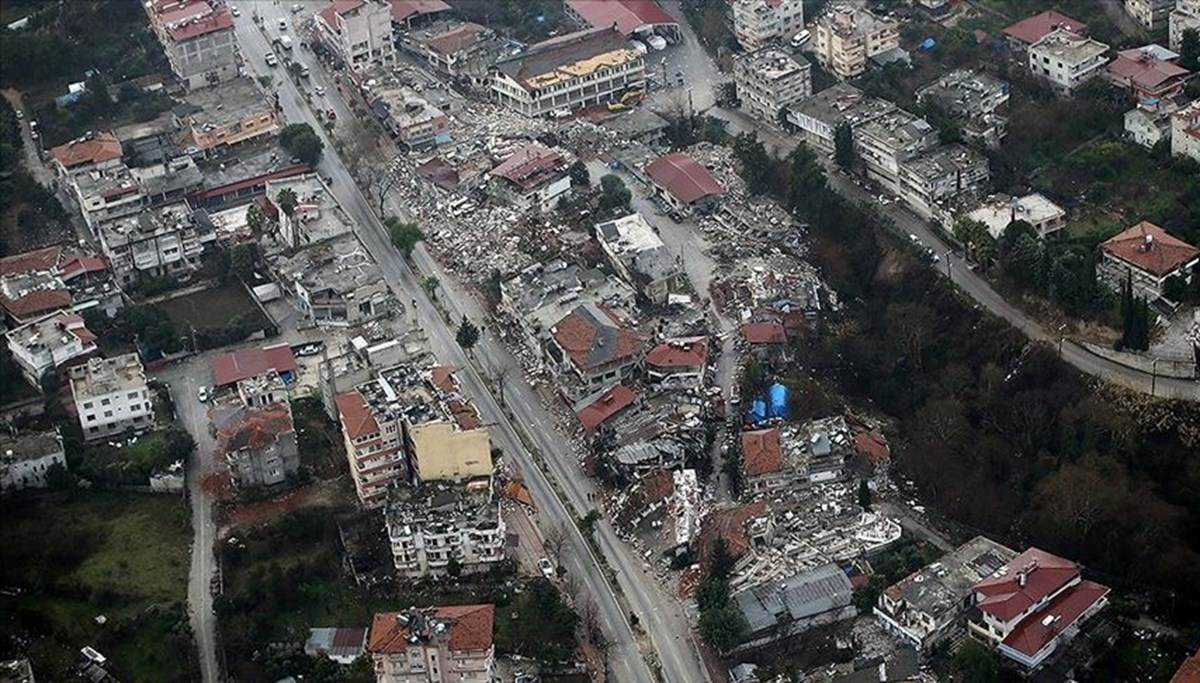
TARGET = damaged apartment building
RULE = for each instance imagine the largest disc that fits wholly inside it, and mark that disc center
(436, 529)
(638, 255)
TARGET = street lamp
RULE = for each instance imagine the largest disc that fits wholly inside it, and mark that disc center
(1061, 337)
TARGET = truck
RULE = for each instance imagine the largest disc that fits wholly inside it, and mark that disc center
(285, 42)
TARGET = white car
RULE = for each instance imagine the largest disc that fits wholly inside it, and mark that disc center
(235, 11)
(202, 394)
(283, 24)
(657, 43)
(547, 568)
(320, 91)
(297, 7)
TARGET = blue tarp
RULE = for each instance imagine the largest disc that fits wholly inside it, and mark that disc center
(758, 411)
(778, 395)
(928, 44)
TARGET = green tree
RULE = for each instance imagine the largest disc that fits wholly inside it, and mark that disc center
(287, 201)
(1189, 50)
(242, 259)
(723, 627)
(302, 142)
(454, 567)
(580, 177)
(976, 662)
(467, 335)
(843, 147)
(58, 478)
(180, 444)
(405, 236)
(864, 495)
(614, 197)
(256, 220)
(1176, 289)
(430, 285)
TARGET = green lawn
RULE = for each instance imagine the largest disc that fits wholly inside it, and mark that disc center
(320, 444)
(82, 555)
(129, 464)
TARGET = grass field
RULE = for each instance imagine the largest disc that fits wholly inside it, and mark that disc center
(78, 556)
(211, 308)
(130, 464)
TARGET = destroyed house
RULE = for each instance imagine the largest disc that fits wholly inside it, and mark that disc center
(434, 524)
(533, 178)
(595, 347)
(637, 253)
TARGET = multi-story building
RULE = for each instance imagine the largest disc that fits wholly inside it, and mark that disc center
(1185, 17)
(39, 282)
(358, 31)
(459, 50)
(106, 195)
(162, 242)
(1148, 73)
(1030, 30)
(1145, 255)
(757, 23)
(1045, 216)
(197, 36)
(594, 348)
(111, 396)
(974, 99)
(929, 181)
(770, 79)
(847, 37)
(570, 72)
(25, 459)
(259, 444)
(410, 118)
(533, 178)
(226, 114)
(437, 527)
(410, 425)
(638, 255)
(818, 117)
(1149, 122)
(49, 343)
(92, 152)
(924, 607)
(1067, 60)
(633, 18)
(1185, 131)
(1032, 604)
(883, 143)
(336, 283)
(1150, 14)
(434, 645)
(679, 362)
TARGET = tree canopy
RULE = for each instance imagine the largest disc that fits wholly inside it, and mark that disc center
(302, 142)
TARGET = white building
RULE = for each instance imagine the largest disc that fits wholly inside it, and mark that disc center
(757, 23)
(847, 37)
(1185, 17)
(819, 116)
(1185, 131)
(640, 257)
(570, 72)
(931, 180)
(770, 79)
(1067, 60)
(1150, 122)
(435, 524)
(359, 31)
(885, 142)
(1151, 14)
(111, 396)
(25, 459)
(1146, 256)
(1044, 215)
(164, 242)
(49, 343)
(974, 99)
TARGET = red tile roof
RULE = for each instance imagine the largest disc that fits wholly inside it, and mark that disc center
(442, 377)
(1189, 671)
(357, 418)
(329, 14)
(531, 166)
(592, 336)
(761, 452)
(31, 261)
(1034, 633)
(685, 352)
(1150, 248)
(1033, 29)
(81, 265)
(1144, 71)
(607, 405)
(628, 15)
(1003, 595)
(470, 628)
(729, 524)
(683, 177)
(100, 148)
(873, 445)
(256, 429)
(229, 368)
(218, 20)
(458, 38)
(37, 301)
(403, 9)
(764, 333)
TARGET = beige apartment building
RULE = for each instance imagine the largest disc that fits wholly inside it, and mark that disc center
(769, 80)
(758, 23)
(359, 31)
(847, 37)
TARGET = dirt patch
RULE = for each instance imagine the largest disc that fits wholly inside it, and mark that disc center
(218, 486)
(320, 494)
(890, 268)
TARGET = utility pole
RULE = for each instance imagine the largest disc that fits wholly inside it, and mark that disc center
(1153, 375)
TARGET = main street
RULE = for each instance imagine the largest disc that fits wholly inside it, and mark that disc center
(660, 614)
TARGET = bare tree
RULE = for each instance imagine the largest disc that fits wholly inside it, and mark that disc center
(555, 540)
(589, 620)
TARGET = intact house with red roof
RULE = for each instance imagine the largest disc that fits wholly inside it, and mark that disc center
(197, 37)
(767, 339)
(593, 349)
(111, 396)
(39, 282)
(408, 425)
(1032, 605)
(684, 183)
(1148, 72)
(409, 13)
(49, 344)
(234, 366)
(677, 363)
(1148, 256)
(596, 409)
(434, 644)
(1030, 30)
(633, 18)
(358, 31)
(533, 178)
(763, 462)
(639, 256)
(259, 444)
(92, 152)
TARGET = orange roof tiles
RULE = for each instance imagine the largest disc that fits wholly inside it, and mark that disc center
(1151, 249)
(357, 419)
(607, 405)
(593, 337)
(1006, 595)
(470, 628)
(1189, 671)
(31, 261)
(37, 301)
(1032, 29)
(683, 177)
(761, 452)
(764, 333)
(257, 429)
(97, 149)
(685, 352)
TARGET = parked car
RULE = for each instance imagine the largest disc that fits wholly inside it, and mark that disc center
(283, 24)
(272, 61)
(202, 394)
(308, 350)
(546, 567)
(320, 91)
(800, 39)
(657, 43)
(235, 11)
(297, 7)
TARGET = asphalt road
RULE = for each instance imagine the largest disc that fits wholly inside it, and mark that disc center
(659, 613)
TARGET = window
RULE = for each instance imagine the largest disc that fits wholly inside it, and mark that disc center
(133, 395)
(105, 402)
(87, 405)
(90, 418)
(108, 413)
